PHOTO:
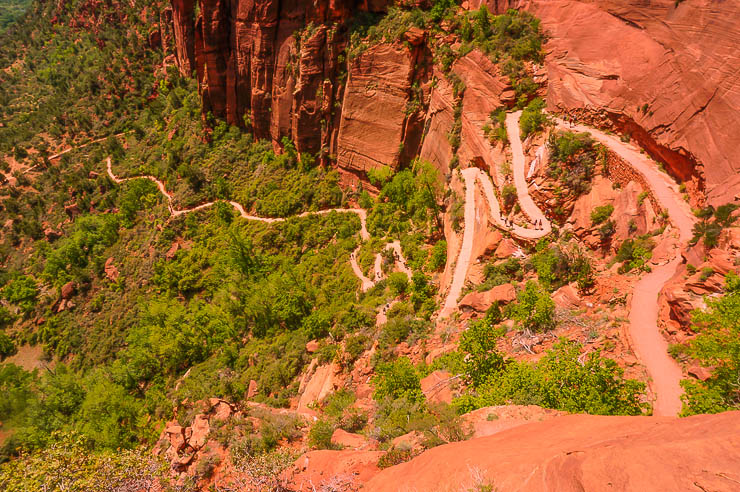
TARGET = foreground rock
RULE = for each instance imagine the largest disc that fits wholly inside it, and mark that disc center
(583, 452)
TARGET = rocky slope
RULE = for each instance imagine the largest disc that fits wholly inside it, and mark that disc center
(662, 71)
(669, 83)
(580, 452)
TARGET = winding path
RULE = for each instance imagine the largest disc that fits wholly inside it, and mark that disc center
(400, 263)
(530, 209)
(361, 213)
(366, 283)
(648, 343)
(520, 181)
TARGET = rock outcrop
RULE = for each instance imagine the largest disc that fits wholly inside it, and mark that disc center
(583, 452)
(661, 71)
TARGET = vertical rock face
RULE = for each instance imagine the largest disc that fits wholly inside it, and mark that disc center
(374, 113)
(183, 24)
(268, 64)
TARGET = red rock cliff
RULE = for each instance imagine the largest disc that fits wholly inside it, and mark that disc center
(663, 70)
(268, 64)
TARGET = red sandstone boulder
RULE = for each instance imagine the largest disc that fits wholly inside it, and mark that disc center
(506, 249)
(567, 297)
(111, 272)
(312, 346)
(69, 289)
(437, 387)
(199, 432)
(352, 441)
(341, 470)
(481, 301)
(412, 441)
(491, 420)
(252, 390)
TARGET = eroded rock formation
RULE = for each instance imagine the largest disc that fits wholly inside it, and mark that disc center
(663, 71)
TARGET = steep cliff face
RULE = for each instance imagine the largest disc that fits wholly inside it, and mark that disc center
(284, 70)
(266, 64)
(375, 120)
(663, 71)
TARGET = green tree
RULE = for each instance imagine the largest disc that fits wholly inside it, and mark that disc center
(565, 380)
(534, 310)
(397, 379)
(716, 345)
(479, 342)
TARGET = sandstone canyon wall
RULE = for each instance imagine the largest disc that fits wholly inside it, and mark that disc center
(664, 72)
(284, 70)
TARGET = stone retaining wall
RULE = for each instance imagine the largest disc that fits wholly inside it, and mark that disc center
(621, 172)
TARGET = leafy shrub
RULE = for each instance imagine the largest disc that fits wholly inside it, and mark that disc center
(561, 381)
(509, 196)
(501, 273)
(534, 309)
(635, 253)
(393, 457)
(712, 223)
(553, 267)
(7, 347)
(479, 342)
(533, 119)
(21, 291)
(398, 283)
(601, 213)
(354, 346)
(572, 160)
(319, 437)
(716, 345)
(397, 379)
(438, 256)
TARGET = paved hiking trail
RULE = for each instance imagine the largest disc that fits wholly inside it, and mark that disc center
(526, 203)
(530, 209)
(463, 257)
(648, 343)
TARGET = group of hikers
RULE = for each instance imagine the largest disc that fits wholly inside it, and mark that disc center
(538, 224)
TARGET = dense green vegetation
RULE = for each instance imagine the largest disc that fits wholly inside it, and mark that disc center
(558, 380)
(61, 83)
(69, 465)
(717, 345)
(11, 11)
(573, 158)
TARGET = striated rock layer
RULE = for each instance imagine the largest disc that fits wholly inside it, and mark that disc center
(663, 71)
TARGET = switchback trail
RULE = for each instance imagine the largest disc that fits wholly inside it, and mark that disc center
(649, 345)
(361, 213)
(365, 282)
(530, 209)
(520, 181)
